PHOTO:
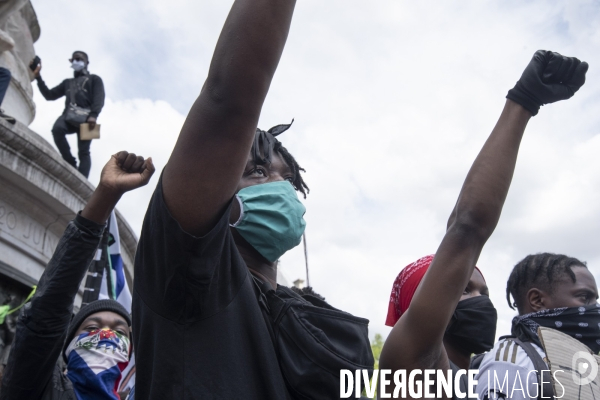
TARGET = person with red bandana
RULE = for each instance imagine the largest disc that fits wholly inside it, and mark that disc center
(435, 327)
(472, 328)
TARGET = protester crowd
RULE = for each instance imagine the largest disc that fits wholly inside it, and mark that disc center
(209, 320)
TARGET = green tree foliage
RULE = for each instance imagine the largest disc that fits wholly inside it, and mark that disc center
(376, 346)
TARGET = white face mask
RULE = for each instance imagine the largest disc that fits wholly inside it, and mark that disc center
(77, 65)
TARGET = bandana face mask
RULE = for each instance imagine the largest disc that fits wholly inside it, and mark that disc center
(581, 323)
(95, 361)
(473, 325)
(271, 218)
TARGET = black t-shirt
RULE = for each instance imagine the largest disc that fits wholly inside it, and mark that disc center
(198, 328)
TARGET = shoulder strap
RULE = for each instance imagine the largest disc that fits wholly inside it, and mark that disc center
(275, 304)
(74, 87)
(264, 306)
(541, 368)
(476, 361)
(261, 289)
(72, 90)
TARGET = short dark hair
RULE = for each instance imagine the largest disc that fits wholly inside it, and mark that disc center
(87, 58)
(265, 144)
(540, 270)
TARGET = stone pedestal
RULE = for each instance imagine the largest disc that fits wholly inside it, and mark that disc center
(39, 194)
(19, 30)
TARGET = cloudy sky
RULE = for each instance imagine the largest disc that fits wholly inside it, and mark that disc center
(392, 101)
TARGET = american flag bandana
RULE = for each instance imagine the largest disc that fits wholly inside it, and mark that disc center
(95, 361)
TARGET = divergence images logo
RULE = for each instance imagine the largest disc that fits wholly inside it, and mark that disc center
(584, 368)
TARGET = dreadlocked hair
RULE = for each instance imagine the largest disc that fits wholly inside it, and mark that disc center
(289, 159)
(265, 144)
(540, 270)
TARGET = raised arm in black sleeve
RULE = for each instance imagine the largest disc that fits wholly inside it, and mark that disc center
(51, 94)
(43, 324)
(97, 96)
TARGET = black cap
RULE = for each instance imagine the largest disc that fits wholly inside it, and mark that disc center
(92, 308)
(82, 52)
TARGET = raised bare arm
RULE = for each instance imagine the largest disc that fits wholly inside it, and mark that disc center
(416, 339)
(211, 152)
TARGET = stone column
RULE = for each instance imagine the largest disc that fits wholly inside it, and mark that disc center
(19, 30)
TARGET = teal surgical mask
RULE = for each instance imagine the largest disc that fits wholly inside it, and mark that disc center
(271, 218)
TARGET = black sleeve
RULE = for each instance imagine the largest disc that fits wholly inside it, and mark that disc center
(97, 96)
(43, 323)
(181, 277)
(51, 94)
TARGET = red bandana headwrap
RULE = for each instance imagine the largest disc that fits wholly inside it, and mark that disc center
(405, 286)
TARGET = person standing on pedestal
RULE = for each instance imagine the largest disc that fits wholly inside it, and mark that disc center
(84, 101)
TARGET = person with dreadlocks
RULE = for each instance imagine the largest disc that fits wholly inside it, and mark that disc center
(224, 211)
(421, 338)
(549, 290)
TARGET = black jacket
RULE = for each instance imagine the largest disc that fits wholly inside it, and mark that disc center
(32, 371)
(90, 96)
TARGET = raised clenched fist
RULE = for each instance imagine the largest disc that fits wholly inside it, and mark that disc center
(126, 171)
(549, 77)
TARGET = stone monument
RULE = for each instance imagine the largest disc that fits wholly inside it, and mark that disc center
(39, 192)
(19, 29)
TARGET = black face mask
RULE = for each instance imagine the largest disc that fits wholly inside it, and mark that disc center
(472, 328)
(581, 323)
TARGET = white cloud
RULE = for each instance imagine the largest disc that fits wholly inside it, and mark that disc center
(141, 126)
(392, 102)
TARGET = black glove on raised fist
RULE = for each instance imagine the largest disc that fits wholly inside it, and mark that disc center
(549, 77)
